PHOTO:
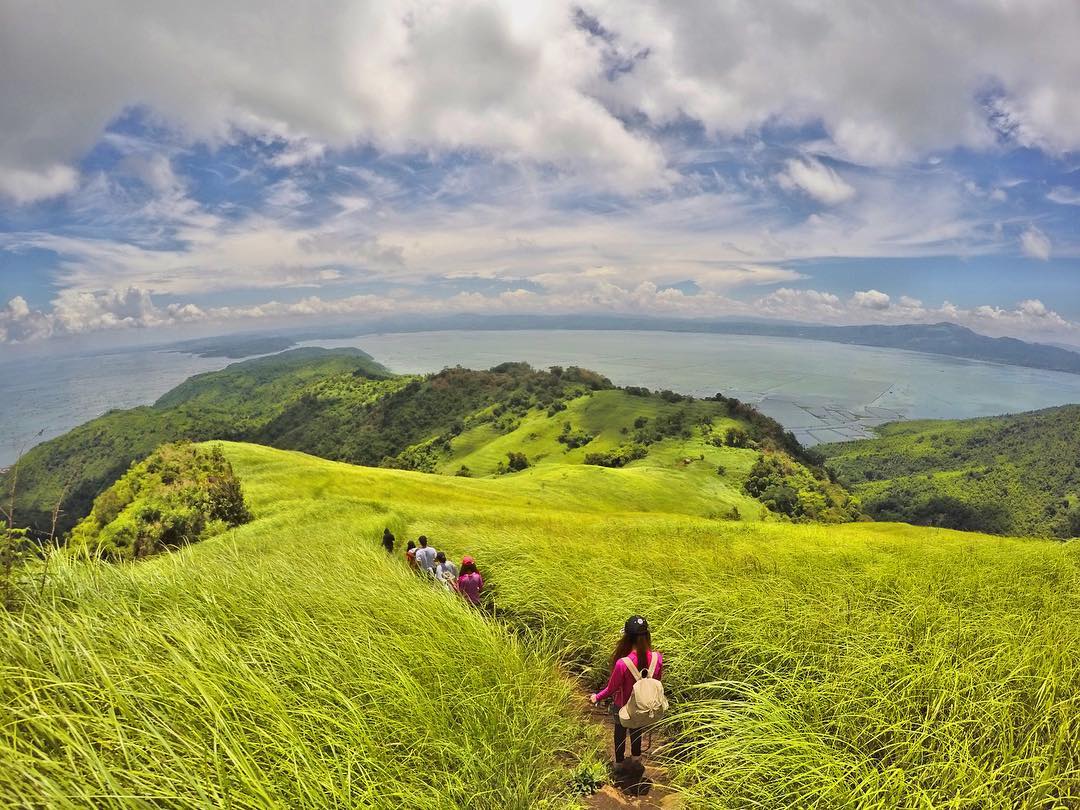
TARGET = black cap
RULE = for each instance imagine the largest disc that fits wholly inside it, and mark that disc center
(635, 626)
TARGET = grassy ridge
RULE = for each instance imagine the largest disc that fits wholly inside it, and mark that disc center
(859, 665)
(1017, 474)
(288, 663)
(342, 405)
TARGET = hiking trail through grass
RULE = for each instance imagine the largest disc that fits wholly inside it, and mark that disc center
(653, 791)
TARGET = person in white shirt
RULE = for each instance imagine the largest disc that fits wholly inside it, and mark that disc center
(425, 557)
(445, 572)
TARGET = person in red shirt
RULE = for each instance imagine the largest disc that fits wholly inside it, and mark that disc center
(635, 644)
(410, 555)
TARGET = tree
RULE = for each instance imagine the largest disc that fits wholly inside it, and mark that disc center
(516, 462)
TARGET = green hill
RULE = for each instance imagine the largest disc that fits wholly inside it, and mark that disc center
(1017, 474)
(226, 404)
(289, 662)
(563, 425)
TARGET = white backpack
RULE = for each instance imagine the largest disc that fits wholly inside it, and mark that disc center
(647, 702)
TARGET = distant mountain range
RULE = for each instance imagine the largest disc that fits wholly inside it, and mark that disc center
(948, 339)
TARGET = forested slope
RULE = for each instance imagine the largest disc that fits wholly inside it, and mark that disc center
(1017, 474)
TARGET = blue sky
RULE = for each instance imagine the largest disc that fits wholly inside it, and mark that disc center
(190, 168)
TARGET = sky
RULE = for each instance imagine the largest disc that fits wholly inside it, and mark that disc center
(199, 166)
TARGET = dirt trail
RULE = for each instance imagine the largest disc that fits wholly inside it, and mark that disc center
(653, 792)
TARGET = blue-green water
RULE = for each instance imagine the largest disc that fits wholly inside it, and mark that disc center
(821, 391)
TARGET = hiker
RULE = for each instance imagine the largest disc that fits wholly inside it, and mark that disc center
(410, 555)
(636, 702)
(388, 540)
(469, 581)
(425, 558)
(445, 572)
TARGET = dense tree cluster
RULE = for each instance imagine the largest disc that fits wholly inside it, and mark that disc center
(799, 492)
(619, 456)
(1017, 474)
(178, 495)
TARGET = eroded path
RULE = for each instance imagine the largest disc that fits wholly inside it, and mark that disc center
(651, 792)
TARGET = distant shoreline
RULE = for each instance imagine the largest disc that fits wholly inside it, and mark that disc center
(942, 339)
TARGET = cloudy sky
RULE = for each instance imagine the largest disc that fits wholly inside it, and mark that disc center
(253, 164)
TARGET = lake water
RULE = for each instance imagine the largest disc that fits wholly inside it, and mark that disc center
(821, 391)
(51, 395)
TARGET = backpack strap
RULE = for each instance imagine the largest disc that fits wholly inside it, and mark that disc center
(628, 662)
(653, 664)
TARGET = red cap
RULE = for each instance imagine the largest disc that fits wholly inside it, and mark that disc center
(466, 560)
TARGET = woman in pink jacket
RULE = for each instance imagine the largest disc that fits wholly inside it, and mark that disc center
(469, 581)
(635, 644)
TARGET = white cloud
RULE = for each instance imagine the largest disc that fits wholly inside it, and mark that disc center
(33, 185)
(886, 80)
(499, 77)
(598, 291)
(299, 152)
(525, 82)
(870, 299)
(817, 180)
(1035, 243)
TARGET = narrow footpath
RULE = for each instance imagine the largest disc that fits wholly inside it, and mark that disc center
(652, 792)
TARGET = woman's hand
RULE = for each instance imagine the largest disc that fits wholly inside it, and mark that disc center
(593, 700)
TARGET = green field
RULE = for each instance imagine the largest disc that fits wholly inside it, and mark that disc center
(288, 663)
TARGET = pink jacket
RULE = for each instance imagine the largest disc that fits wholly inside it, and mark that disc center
(621, 682)
(470, 586)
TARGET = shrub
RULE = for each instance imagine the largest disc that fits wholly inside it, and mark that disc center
(178, 495)
(574, 439)
(516, 462)
(737, 437)
(619, 457)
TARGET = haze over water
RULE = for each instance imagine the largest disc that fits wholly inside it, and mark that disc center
(821, 391)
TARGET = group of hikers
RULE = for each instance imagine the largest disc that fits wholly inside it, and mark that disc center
(634, 686)
(428, 562)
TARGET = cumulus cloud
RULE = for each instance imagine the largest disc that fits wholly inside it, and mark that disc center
(888, 81)
(400, 74)
(816, 179)
(870, 299)
(1035, 243)
(34, 185)
(601, 291)
(530, 82)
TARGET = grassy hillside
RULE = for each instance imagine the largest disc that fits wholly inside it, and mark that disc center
(1016, 474)
(285, 664)
(289, 663)
(343, 406)
(225, 404)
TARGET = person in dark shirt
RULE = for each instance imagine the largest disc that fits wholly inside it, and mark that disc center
(388, 540)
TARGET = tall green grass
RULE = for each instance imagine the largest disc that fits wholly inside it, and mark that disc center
(288, 663)
(863, 665)
(869, 667)
(285, 664)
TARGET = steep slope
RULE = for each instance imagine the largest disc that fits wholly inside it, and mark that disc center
(293, 663)
(1017, 474)
(288, 663)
